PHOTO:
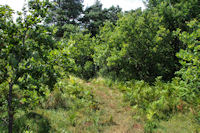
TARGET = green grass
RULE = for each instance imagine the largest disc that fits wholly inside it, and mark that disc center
(180, 123)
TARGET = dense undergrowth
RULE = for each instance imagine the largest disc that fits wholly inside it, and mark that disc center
(62, 110)
(161, 101)
(72, 106)
(160, 104)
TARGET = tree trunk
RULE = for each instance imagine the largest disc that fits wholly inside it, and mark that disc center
(10, 108)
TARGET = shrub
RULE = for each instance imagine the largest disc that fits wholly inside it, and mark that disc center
(190, 60)
(157, 102)
(69, 94)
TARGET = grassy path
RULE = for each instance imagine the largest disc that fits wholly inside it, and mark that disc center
(104, 111)
(116, 115)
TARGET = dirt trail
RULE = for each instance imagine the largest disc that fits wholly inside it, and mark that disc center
(116, 115)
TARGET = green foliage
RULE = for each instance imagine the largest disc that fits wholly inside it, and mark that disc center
(157, 102)
(64, 12)
(174, 15)
(138, 45)
(190, 60)
(150, 126)
(135, 48)
(31, 122)
(80, 49)
(70, 30)
(95, 16)
(69, 94)
(68, 105)
(25, 47)
(142, 44)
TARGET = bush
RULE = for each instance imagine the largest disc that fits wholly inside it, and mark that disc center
(79, 49)
(69, 94)
(157, 102)
(162, 100)
(133, 50)
(190, 60)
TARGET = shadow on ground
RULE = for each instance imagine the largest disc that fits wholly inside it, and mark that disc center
(32, 122)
